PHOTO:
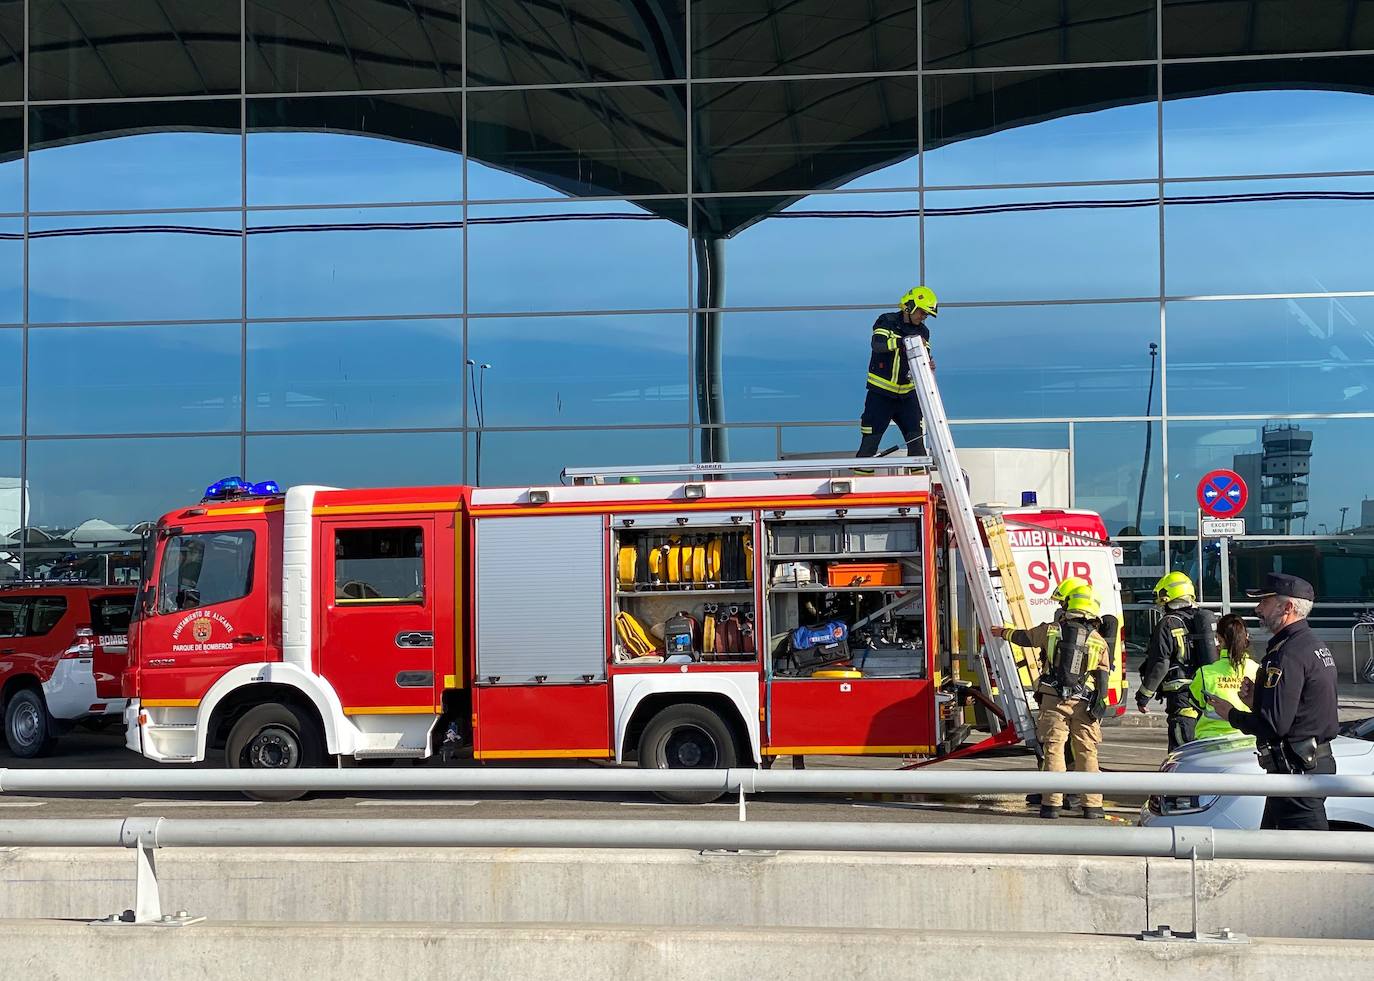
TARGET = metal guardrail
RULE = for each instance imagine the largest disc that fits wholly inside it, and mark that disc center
(736, 781)
(145, 835)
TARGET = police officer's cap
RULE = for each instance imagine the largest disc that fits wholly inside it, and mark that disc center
(1282, 584)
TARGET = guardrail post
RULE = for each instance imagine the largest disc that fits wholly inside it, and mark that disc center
(1192, 844)
(140, 834)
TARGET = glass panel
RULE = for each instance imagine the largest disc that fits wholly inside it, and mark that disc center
(359, 460)
(1045, 370)
(106, 49)
(773, 251)
(11, 270)
(1043, 243)
(1082, 124)
(1117, 472)
(583, 142)
(308, 46)
(734, 38)
(111, 614)
(1033, 436)
(999, 33)
(1196, 28)
(135, 479)
(523, 458)
(45, 612)
(10, 484)
(514, 42)
(135, 267)
(149, 379)
(205, 569)
(603, 255)
(579, 371)
(379, 564)
(1296, 236)
(1314, 476)
(789, 367)
(778, 136)
(355, 262)
(11, 375)
(1268, 117)
(1303, 355)
(11, 153)
(376, 375)
(1340, 569)
(176, 155)
(13, 616)
(355, 149)
(11, 50)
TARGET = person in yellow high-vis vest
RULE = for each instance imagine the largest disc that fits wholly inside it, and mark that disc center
(1225, 678)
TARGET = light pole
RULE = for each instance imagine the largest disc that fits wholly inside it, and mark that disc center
(478, 386)
(1342, 528)
(1149, 433)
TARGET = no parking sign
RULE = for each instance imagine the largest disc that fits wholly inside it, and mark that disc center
(1222, 494)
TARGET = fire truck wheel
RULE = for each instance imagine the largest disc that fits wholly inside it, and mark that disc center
(272, 737)
(28, 726)
(687, 737)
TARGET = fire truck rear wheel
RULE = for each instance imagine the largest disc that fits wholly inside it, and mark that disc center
(687, 737)
(274, 737)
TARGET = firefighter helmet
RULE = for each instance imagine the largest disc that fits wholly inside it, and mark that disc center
(1067, 588)
(1084, 603)
(1173, 587)
(921, 298)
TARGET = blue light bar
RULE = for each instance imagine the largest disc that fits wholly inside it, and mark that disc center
(1029, 499)
(231, 487)
(264, 488)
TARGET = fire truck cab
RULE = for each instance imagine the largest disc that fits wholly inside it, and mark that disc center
(679, 623)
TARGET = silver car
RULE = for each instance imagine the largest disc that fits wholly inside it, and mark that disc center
(1354, 752)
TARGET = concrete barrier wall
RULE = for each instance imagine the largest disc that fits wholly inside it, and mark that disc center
(257, 950)
(935, 892)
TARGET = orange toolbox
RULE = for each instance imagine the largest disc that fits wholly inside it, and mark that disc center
(865, 574)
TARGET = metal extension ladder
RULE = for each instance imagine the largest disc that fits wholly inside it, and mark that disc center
(1000, 678)
(1027, 658)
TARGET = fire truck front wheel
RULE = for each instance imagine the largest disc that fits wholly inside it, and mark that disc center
(687, 737)
(274, 737)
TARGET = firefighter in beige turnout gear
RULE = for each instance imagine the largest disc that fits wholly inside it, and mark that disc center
(1073, 690)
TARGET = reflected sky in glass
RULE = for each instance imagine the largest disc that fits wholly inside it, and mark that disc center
(358, 460)
(355, 262)
(578, 371)
(154, 476)
(134, 379)
(355, 375)
(135, 267)
(1282, 355)
(11, 370)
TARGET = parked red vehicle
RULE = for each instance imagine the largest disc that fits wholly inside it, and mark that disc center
(63, 648)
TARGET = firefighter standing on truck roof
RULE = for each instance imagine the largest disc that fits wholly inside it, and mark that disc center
(1294, 714)
(891, 392)
(1073, 690)
(1184, 640)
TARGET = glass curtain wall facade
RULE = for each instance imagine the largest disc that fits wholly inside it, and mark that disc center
(367, 242)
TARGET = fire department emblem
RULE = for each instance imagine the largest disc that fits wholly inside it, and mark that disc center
(200, 630)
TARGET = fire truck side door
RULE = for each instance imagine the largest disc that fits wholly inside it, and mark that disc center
(378, 593)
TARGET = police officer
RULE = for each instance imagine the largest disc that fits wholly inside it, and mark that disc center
(1294, 710)
(891, 392)
(1184, 639)
(1072, 691)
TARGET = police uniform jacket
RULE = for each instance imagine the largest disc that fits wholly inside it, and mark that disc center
(887, 368)
(1295, 690)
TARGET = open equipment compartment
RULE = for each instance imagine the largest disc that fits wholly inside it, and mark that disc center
(683, 588)
(845, 594)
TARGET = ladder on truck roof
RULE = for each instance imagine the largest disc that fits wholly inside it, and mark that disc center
(998, 675)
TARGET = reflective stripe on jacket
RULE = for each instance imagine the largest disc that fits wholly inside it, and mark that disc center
(887, 367)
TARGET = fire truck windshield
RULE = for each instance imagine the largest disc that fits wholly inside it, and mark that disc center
(204, 569)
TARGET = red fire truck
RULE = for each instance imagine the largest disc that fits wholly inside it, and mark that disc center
(678, 622)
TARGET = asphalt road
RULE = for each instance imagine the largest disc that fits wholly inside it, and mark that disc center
(1124, 748)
